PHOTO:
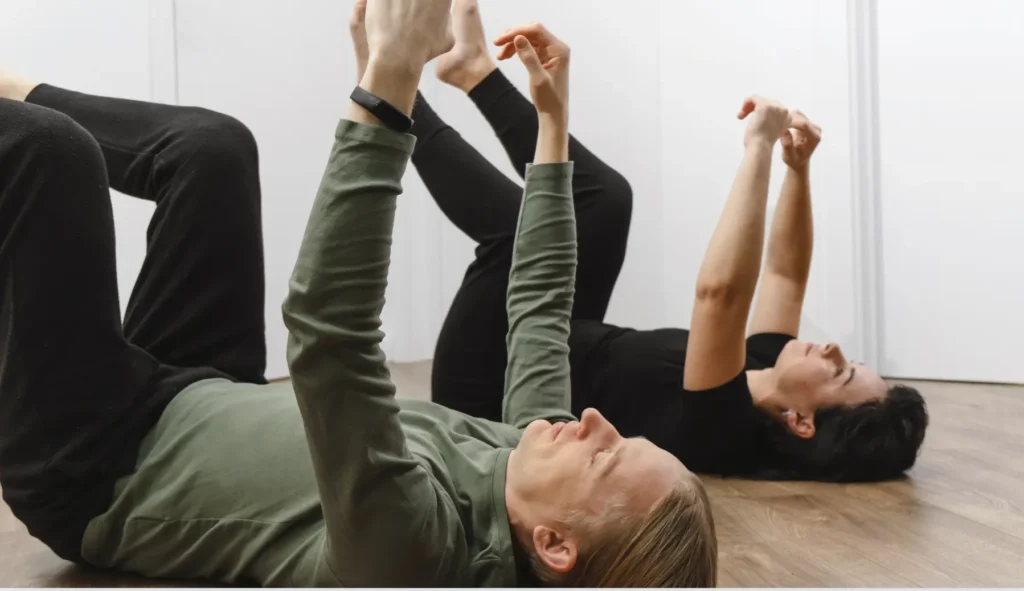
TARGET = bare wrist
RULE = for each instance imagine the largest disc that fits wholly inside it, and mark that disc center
(552, 140)
(554, 121)
(395, 63)
(759, 144)
(393, 80)
(801, 171)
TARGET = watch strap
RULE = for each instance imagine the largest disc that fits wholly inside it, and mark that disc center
(381, 109)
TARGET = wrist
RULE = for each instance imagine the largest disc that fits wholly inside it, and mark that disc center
(393, 80)
(758, 145)
(800, 171)
(395, 63)
(552, 139)
(555, 121)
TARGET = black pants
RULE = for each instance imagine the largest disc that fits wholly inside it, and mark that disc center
(470, 358)
(79, 388)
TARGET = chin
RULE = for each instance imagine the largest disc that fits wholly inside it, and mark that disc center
(533, 432)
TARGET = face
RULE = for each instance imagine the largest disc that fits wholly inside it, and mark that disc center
(579, 467)
(809, 377)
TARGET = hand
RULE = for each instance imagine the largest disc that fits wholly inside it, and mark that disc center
(769, 121)
(799, 142)
(357, 29)
(547, 60)
(406, 34)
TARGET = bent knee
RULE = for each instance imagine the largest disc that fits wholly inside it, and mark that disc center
(609, 214)
(619, 196)
(43, 140)
(215, 137)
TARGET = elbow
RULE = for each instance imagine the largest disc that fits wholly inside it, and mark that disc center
(795, 273)
(722, 293)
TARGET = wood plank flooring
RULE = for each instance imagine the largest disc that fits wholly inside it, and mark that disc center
(957, 521)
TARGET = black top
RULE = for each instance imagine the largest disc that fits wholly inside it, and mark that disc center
(635, 378)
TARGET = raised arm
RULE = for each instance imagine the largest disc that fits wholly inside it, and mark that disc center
(378, 502)
(787, 264)
(542, 279)
(716, 351)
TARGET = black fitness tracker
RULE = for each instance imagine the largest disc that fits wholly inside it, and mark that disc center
(382, 110)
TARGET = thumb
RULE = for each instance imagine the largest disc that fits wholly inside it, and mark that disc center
(528, 56)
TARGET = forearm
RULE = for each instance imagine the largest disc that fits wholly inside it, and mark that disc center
(733, 258)
(791, 241)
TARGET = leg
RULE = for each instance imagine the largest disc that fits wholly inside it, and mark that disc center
(199, 300)
(75, 396)
(604, 200)
(477, 197)
(470, 357)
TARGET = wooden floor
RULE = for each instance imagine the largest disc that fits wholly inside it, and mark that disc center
(958, 521)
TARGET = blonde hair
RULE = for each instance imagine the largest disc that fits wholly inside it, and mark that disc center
(674, 545)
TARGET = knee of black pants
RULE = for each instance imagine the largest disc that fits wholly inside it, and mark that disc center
(619, 197)
(214, 140)
(610, 213)
(37, 141)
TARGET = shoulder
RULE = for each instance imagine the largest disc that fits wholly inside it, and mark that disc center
(734, 392)
(715, 428)
(725, 418)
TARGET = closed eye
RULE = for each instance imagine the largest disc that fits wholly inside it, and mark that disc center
(853, 372)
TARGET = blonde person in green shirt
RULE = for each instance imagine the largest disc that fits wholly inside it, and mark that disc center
(167, 466)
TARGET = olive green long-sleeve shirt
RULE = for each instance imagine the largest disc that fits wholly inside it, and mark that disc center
(330, 480)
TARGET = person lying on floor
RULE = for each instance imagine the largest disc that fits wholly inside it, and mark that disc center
(768, 406)
(157, 447)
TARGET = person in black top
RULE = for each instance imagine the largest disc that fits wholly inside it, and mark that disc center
(767, 406)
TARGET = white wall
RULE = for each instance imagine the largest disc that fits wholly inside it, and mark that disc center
(952, 206)
(657, 101)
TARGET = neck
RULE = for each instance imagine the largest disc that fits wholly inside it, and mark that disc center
(516, 510)
(524, 566)
(762, 386)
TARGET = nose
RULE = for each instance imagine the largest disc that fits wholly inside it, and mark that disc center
(593, 424)
(833, 352)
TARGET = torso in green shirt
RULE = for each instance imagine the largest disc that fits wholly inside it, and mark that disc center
(225, 490)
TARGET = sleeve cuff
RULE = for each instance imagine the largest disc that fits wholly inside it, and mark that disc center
(561, 171)
(376, 135)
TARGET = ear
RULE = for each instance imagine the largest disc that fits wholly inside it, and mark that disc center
(556, 550)
(802, 425)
